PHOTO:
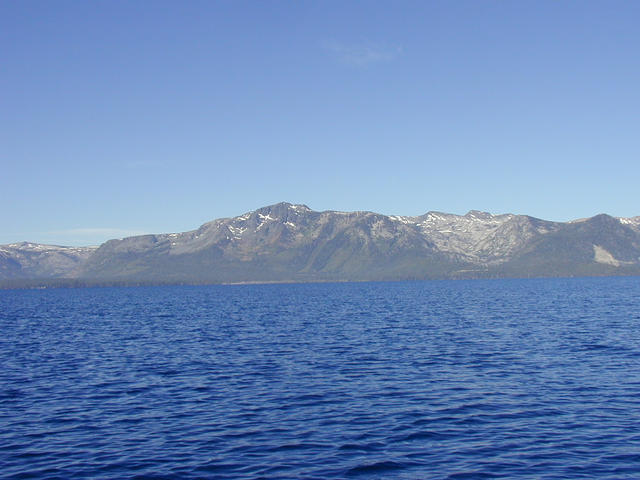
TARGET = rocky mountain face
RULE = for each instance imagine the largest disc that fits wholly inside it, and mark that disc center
(286, 242)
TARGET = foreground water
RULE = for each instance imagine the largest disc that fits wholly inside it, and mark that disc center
(480, 379)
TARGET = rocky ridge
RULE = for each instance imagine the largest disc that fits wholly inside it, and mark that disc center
(286, 242)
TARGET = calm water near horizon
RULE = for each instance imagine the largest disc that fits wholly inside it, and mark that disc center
(517, 379)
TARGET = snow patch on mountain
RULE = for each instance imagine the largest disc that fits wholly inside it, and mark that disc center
(633, 222)
(471, 235)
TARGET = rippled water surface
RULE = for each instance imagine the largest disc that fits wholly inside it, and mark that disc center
(480, 379)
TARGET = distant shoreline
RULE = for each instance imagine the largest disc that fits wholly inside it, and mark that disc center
(26, 284)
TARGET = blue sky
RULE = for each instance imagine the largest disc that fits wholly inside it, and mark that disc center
(121, 117)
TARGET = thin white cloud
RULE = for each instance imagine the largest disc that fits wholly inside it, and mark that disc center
(362, 54)
(104, 232)
(72, 236)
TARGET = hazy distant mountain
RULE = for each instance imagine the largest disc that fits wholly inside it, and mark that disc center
(287, 242)
(33, 260)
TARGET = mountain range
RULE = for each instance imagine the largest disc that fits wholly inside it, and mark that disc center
(292, 243)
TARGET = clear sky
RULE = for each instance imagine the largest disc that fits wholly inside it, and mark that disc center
(123, 117)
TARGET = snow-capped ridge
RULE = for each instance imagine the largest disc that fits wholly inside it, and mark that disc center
(289, 241)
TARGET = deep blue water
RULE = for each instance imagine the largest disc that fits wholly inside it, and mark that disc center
(455, 379)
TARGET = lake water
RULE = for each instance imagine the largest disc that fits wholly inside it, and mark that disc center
(446, 380)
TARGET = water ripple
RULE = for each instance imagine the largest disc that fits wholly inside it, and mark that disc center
(442, 380)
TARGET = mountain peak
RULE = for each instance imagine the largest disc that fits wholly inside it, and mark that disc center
(479, 214)
(283, 207)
